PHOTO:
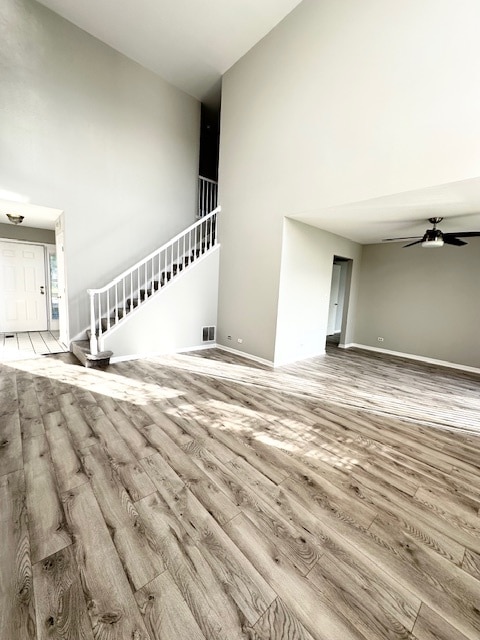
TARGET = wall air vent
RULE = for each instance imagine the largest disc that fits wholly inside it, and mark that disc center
(208, 334)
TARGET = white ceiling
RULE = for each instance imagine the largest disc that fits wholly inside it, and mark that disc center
(190, 43)
(402, 214)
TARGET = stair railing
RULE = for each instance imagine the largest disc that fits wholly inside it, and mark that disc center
(207, 196)
(126, 292)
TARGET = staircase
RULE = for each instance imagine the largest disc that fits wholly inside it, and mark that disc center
(119, 299)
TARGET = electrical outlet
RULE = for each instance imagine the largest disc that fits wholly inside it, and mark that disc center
(380, 339)
(240, 340)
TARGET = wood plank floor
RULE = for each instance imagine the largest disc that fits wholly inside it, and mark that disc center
(203, 496)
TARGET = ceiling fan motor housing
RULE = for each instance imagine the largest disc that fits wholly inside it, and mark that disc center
(432, 235)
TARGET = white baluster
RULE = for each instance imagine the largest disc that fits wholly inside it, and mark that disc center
(200, 236)
(200, 189)
(99, 317)
(93, 331)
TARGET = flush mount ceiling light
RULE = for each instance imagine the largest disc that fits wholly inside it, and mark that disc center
(15, 219)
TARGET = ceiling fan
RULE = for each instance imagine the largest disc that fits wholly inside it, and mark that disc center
(436, 238)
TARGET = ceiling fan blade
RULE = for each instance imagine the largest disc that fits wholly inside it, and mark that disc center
(412, 243)
(393, 239)
(449, 239)
(462, 234)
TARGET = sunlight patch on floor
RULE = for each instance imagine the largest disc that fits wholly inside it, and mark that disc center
(379, 400)
(97, 381)
(275, 442)
(8, 356)
(335, 458)
(292, 437)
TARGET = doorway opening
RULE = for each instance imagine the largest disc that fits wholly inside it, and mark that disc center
(31, 272)
(209, 141)
(338, 305)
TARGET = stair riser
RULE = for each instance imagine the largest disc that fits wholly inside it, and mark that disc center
(81, 351)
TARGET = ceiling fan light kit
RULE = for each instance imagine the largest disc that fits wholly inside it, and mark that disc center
(436, 238)
(435, 242)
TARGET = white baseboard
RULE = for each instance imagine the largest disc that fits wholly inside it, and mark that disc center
(210, 345)
(202, 347)
(235, 352)
(412, 356)
(152, 354)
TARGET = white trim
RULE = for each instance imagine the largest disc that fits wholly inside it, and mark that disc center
(202, 347)
(50, 250)
(269, 363)
(15, 240)
(412, 356)
(152, 354)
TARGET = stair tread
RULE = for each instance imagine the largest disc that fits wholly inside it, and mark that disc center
(83, 346)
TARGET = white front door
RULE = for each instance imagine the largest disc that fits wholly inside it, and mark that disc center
(23, 305)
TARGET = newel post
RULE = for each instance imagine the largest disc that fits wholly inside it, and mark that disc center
(93, 329)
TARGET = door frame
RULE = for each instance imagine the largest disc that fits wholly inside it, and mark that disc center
(50, 250)
(345, 284)
(333, 303)
(62, 280)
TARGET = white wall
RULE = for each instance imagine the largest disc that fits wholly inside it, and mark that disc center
(305, 284)
(424, 302)
(173, 319)
(342, 101)
(88, 131)
(249, 280)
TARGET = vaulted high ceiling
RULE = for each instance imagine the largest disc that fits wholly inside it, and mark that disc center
(190, 43)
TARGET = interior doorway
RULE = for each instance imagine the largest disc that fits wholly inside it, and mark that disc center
(30, 273)
(338, 305)
(23, 287)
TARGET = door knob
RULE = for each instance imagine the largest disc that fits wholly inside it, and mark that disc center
(42, 290)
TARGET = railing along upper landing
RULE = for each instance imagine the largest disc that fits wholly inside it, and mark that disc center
(207, 196)
(131, 288)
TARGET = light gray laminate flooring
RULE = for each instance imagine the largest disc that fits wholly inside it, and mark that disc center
(205, 497)
(27, 344)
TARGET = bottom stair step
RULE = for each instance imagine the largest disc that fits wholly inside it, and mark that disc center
(81, 349)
